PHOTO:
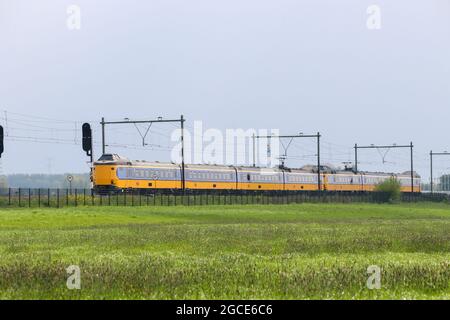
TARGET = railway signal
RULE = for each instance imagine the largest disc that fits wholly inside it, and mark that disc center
(2, 148)
(87, 139)
(70, 179)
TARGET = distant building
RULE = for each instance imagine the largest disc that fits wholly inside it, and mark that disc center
(445, 182)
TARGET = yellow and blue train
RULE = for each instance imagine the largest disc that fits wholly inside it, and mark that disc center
(112, 173)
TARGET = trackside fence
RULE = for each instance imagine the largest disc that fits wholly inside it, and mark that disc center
(60, 198)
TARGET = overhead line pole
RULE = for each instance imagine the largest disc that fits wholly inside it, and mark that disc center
(183, 178)
(317, 136)
(410, 146)
(254, 156)
(181, 121)
(445, 153)
(103, 136)
(412, 166)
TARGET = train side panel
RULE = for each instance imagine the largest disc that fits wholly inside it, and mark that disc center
(221, 178)
(259, 179)
(344, 182)
(147, 177)
(306, 181)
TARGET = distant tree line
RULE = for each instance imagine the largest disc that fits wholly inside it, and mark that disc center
(44, 181)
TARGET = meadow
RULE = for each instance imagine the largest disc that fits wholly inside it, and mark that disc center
(297, 251)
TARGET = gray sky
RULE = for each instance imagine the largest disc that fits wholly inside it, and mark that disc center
(294, 65)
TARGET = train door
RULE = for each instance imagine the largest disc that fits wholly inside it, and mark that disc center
(155, 180)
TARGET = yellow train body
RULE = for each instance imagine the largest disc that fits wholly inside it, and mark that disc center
(113, 173)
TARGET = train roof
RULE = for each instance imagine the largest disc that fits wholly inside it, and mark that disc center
(209, 166)
(109, 159)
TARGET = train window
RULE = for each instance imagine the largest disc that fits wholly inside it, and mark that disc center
(248, 177)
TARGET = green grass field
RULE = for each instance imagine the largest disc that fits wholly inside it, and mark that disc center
(307, 251)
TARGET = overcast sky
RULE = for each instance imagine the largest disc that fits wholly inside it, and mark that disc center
(293, 65)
